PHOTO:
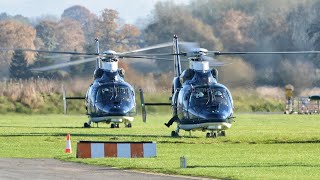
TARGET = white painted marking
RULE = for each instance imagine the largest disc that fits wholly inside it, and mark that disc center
(124, 150)
(97, 150)
(149, 150)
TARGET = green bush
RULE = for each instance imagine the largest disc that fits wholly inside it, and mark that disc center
(20, 108)
(53, 104)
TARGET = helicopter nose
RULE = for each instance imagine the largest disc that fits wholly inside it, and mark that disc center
(120, 109)
(117, 110)
(216, 116)
(210, 116)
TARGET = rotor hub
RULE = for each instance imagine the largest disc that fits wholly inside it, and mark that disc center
(109, 53)
(195, 54)
(109, 56)
(199, 52)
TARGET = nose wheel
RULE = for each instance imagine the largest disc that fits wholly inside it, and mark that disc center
(114, 125)
(175, 133)
(213, 134)
(128, 125)
(86, 125)
(222, 133)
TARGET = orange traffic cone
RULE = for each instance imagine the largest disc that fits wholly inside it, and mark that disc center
(68, 145)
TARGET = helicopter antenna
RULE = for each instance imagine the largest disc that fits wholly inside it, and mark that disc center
(177, 62)
(98, 52)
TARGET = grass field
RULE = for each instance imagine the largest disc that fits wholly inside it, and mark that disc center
(256, 147)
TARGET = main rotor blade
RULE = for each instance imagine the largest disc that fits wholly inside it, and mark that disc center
(61, 56)
(212, 61)
(207, 58)
(46, 51)
(150, 55)
(217, 53)
(157, 46)
(57, 66)
(189, 46)
(146, 57)
(218, 64)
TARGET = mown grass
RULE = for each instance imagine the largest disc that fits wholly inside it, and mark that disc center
(261, 146)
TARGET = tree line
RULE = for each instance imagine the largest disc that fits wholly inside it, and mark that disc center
(74, 31)
(222, 25)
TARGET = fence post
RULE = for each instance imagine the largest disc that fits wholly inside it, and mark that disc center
(64, 99)
(183, 162)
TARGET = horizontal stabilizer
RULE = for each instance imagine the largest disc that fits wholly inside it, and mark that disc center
(76, 98)
(157, 104)
(314, 98)
(143, 105)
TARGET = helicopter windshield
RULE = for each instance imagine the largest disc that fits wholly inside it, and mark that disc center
(204, 97)
(203, 77)
(116, 94)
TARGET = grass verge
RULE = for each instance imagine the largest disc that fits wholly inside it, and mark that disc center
(256, 147)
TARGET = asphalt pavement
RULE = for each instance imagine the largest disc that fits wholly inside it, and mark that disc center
(14, 168)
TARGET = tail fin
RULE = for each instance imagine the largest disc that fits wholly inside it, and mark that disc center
(177, 63)
(143, 107)
(177, 66)
(65, 98)
(144, 104)
(97, 52)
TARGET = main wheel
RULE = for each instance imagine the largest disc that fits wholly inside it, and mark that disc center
(112, 126)
(129, 125)
(222, 133)
(214, 135)
(174, 134)
(117, 126)
(86, 125)
(207, 135)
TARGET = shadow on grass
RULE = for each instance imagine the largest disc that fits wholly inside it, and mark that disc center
(88, 135)
(315, 141)
(262, 165)
(52, 127)
(112, 137)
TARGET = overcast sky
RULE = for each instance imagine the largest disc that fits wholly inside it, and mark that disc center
(129, 10)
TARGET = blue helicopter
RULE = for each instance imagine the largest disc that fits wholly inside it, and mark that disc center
(109, 98)
(198, 100)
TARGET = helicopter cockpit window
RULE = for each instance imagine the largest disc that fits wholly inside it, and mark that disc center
(217, 93)
(208, 96)
(199, 95)
(112, 93)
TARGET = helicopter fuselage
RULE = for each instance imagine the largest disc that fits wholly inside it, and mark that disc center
(110, 99)
(201, 103)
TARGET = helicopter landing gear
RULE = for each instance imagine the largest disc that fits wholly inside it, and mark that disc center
(215, 134)
(86, 125)
(222, 133)
(129, 125)
(114, 125)
(175, 133)
(212, 135)
(207, 135)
